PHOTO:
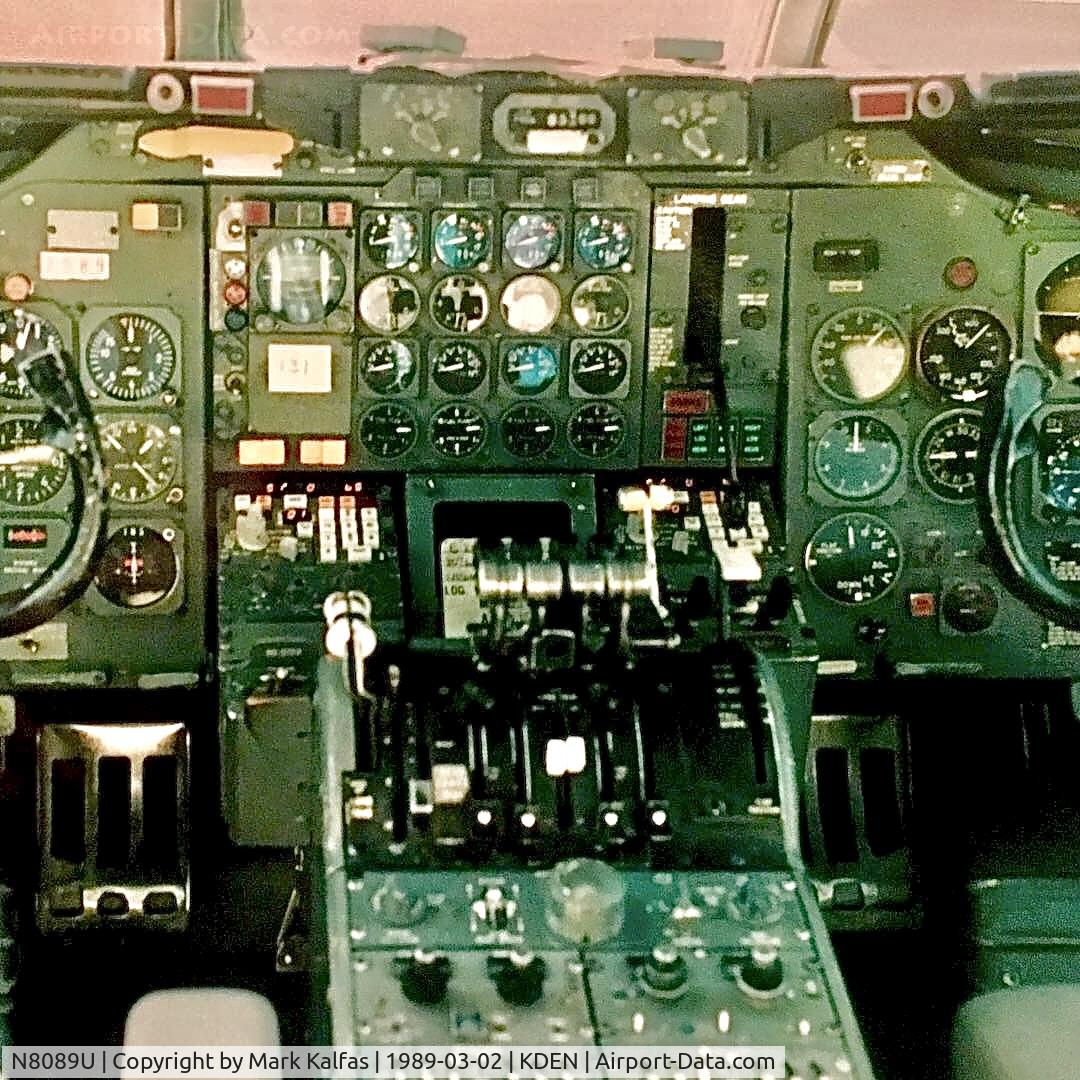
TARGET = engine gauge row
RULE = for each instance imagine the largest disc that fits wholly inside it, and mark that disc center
(860, 354)
(857, 457)
(461, 304)
(527, 368)
(129, 355)
(465, 239)
(460, 430)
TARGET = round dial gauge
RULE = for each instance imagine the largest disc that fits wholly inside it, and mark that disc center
(530, 304)
(36, 481)
(603, 241)
(599, 368)
(458, 430)
(130, 357)
(533, 240)
(21, 335)
(388, 367)
(854, 558)
(462, 240)
(138, 567)
(859, 355)
(1061, 473)
(528, 430)
(301, 280)
(388, 430)
(946, 454)
(391, 240)
(857, 457)
(600, 304)
(530, 368)
(140, 459)
(460, 303)
(962, 352)
(389, 304)
(596, 430)
(458, 368)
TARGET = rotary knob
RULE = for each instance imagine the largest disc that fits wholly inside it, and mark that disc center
(519, 977)
(425, 977)
(665, 973)
(762, 975)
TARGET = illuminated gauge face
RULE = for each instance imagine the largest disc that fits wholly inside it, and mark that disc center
(389, 304)
(599, 368)
(458, 368)
(530, 304)
(1061, 473)
(532, 241)
(600, 304)
(36, 481)
(388, 367)
(130, 357)
(596, 430)
(460, 304)
(391, 240)
(857, 457)
(854, 558)
(301, 280)
(530, 368)
(947, 454)
(528, 430)
(21, 335)
(1057, 327)
(603, 241)
(458, 430)
(859, 355)
(140, 459)
(388, 430)
(138, 567)
(462, 240)
(962, 352)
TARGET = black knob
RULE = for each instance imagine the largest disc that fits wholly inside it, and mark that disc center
(763, 973)
(519, 978)
(424, 978)
(665, 972)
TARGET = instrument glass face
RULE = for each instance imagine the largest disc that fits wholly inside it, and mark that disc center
(35, 481)
(301, 280)
(388, 430)
(859, 355)
(131, 357)
(140, 459)
(391, 240)
(854, 558)
(596, 430)
(946, 455)
(533, 240)
(22, 333)
(962, 352)
(138, 567)
(462, 240)
(857, 457)
(604, 241)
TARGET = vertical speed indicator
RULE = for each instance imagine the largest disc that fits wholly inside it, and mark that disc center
(854, 558)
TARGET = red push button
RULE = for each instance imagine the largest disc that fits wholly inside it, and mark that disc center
(922, 605)
(687, 402)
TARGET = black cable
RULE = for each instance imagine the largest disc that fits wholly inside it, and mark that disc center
(68, 426)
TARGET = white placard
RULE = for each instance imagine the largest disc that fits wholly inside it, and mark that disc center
(299, 369)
